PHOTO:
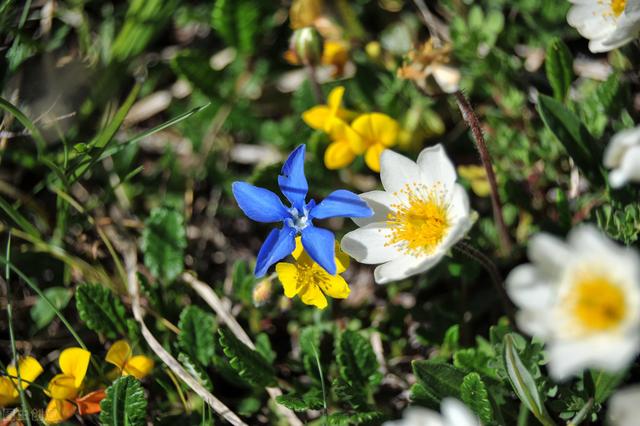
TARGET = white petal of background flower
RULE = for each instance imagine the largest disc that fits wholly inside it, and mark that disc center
(619, 145)
(528, 288)
(624, 407)
(403, 267)
(629, 169)
(456, 413)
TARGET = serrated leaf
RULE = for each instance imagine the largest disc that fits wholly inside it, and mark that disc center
(197, 334)
(125, 403)
(473, 393)
(163, 243)
(559, 68)
(101, 310)
(523, 383)
(355, 396)
(357, 362)
(435, 381)
(195, 370)
(572, 134)
(311, 400)
(249, 364)
(41, 313)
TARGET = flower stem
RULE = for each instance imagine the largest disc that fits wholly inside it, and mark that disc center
(582, 414)
(494, 274)
(472, 120)
(315, 85)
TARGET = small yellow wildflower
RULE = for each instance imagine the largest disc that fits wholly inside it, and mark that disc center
(345, 145)
(477, 178)
(120, 355)
(309, 280)
(322, 117)
(378, 132)
(66, 386)
(29, 368)
(336, 54)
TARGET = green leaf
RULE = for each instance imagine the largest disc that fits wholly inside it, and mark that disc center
(605, 383)
(42, 313)
(310, 339)
(195, 370)
(263, 346)
(435, 380)
(249, 364)
(473, 393)
(125, 403)
(355, 396)
(356, 360)
(163, 242)
(559, 68)
(362, 418)
(195, 68)
(311, 400)
(569, 131)
(523, 383)
(197, 334)
(101, 310)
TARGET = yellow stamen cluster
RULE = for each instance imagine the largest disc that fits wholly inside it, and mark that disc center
(598, 303)
(420, 220)
(617, 6)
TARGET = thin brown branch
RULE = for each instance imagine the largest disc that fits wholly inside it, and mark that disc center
(472, 120)
(437, 29)
(212, 299)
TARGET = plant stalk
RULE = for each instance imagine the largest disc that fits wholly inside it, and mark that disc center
(472, 120)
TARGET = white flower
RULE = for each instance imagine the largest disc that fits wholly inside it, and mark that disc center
(454, 413)
(608, 24)
(624, 407)
(623, 155)
(583, 298)
(419, 216)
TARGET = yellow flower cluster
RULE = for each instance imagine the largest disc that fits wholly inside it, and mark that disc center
(351, 135)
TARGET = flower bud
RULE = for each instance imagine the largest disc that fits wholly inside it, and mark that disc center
(307, 43)
(262, 292)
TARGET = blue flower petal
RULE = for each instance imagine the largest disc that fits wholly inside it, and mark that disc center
(259, 204)
(292, 181)
(341, 203)
(279, 243)
(320, 245)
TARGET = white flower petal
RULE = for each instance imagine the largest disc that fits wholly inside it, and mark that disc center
(619, 145)
(457, 232)
(456, 413)
(624, 407)
(590, 241)
(380, 202)
(418, 416)
(397, 170)
(448, 78)
(459, 203)
(630, 166)
(436, 166)
(610, 353)
(528, 289)
(548, 253)
(535, 323)
(369, 244)
(403, 267)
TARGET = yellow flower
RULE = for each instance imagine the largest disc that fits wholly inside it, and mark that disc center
(66, 386)
(309, 280)
(322, 117)
(30, 369)
(120, 355)
(304, 13)
(345, 145)
(477, 178)
(336, 54)
(378, 132)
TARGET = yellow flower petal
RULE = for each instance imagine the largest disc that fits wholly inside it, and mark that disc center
(58, 411)
(342, 260)
(372, 157)
(377, 128)
(477, 177)
(74, 362)
(298, 250)
(288, 276)
(311, 295)
(334, 100)
(335, 53)
(62, 386)
(338, 155)
(118, 354)
(341, 131)
(317, 117)
(30, 369)
(8, 392)
(138, 366)
(335, 286)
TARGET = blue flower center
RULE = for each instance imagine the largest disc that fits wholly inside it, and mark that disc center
(298, 221)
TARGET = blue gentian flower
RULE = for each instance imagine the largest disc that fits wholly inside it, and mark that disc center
(263, 205)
